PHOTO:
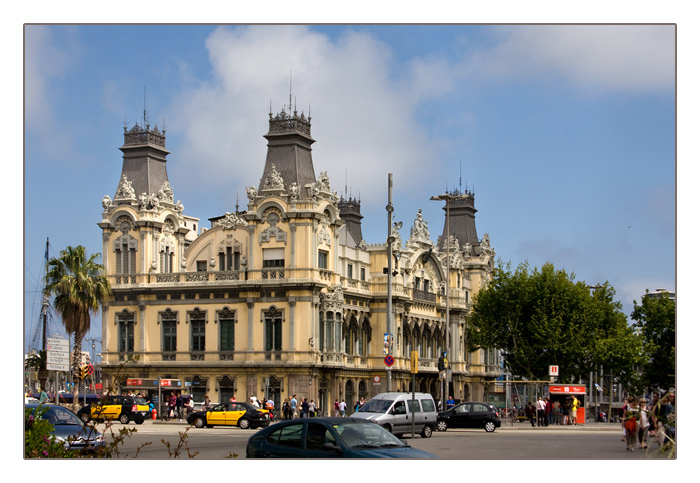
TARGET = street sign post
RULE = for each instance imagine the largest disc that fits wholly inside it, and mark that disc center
(57, 354)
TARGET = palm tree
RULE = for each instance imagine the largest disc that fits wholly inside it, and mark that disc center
(80, 289)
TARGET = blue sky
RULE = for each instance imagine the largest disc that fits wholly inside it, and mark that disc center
(566, 133)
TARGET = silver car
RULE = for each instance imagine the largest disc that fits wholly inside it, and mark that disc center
(68, 428)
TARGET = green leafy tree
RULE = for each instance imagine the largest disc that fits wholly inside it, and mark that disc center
(80, 289)
(544, 316)
(656, 320)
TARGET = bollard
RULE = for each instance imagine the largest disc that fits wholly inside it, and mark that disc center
(154, 414)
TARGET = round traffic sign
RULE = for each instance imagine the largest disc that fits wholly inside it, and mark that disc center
(389, 360)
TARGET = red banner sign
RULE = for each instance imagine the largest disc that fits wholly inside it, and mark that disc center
(568, 389)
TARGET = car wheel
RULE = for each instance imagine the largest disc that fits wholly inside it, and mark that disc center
(387, 427)
(442, 426)
(199, 423)
(490, 426)
(427, 432)
(124, 419)
(243, 423)
(85, 417)
(139, 421)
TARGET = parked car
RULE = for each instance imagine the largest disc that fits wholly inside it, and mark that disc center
(120, 408)
(239, 414)
(399, 413)
(329, 438)
(470, 415)
(68, 428)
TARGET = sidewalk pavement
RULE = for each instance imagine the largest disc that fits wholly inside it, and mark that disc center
(506, 425)
(590, 426)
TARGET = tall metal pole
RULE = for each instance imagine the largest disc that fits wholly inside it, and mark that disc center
(389, 243)
(447, 310)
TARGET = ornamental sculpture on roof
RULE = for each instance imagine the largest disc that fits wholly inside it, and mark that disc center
(125, 190)
(274, 180)
(231, 221)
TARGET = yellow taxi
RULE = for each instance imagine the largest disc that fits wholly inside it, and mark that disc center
(243, 415)
(119, 408)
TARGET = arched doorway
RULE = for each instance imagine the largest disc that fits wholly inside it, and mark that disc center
(349, 395)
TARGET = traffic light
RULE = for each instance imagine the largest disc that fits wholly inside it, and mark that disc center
(441, 363)
(82, 372)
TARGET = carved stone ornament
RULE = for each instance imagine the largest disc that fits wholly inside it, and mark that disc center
(252, 193)
(106, 202)
(125, 190)
(274, 181)
(333, 300)
(165, 193)
(419, 231)
(148, 202)
(324, 182)
(231, 221)
(294, 191)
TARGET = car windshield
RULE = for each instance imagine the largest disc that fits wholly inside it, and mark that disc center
(367, 435)
(60, 416)
(140, 401)
(375, 406)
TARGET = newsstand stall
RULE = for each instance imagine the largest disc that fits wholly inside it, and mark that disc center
(564, 392)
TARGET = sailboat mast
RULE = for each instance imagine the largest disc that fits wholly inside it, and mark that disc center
(45, 302)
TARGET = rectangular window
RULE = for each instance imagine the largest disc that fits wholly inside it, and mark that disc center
(349, 270)
(273, 257)
(227, 334)
(273, 334)
(362, 273)
(201, 265)
(323, 259)
(169, 335)
(126, 334)
(198, 335)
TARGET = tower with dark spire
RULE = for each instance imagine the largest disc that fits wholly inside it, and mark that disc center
(462, 220)
(289, 150)
(350, 213)
(144, 158)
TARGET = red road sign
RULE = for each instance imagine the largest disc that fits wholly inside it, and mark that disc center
(389, 361)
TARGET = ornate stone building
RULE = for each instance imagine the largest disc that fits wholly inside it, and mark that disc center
(285, 297)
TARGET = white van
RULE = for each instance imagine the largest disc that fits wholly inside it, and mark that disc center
(392, 410)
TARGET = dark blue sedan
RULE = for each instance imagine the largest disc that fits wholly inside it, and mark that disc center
(329, 438)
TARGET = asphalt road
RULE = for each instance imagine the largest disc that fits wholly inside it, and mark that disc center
(161, 441)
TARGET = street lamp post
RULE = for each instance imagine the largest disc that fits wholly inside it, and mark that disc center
(447, 198)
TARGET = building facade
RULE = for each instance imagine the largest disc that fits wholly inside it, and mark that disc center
(283, 298)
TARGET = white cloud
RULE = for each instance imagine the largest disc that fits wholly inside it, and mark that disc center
(638, 58)
(49, 55)
(361, 117)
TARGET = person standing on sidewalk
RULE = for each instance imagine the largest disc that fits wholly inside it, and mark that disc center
(293, 406)
(540, 411)
(574, 411)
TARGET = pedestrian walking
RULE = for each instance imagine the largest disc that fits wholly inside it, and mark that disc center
(337, 408)
(644, 423)
(631, 422)
(342, 407)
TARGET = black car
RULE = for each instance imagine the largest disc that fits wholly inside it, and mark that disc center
(68, 428)
(470, 415)
(121, 408)
(239, 414)
(329, 438)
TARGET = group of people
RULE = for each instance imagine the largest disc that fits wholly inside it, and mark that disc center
(639, 420)
(293, 408)
(179, 406)
(545, 412)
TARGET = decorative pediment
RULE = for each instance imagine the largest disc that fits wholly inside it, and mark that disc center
(231, 221)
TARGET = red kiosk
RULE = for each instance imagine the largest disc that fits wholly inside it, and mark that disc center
(560, 392)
